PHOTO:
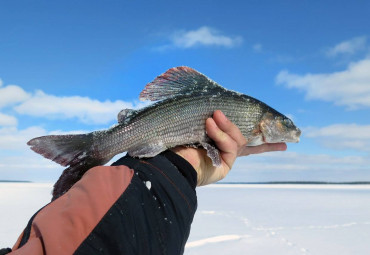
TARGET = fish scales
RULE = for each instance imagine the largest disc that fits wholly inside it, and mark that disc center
(185, 99)
(178, 120)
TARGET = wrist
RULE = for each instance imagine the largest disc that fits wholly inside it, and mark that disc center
(201, 163)
(194, 157)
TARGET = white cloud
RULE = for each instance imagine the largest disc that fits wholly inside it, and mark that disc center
(257, 47)
(40, 104)
(301, 161)
(11, 95)
(342, 136)
(205, 36)
(29, 166)
(350, 87)
(28, 163)
(19, 162)
(13, 139)
(293, 166)
(348, 47)
(71, 132)
(87, 110)
(348, 131)
(7, 120)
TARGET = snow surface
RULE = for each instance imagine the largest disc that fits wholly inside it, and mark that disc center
(18, 202)
(242, 219)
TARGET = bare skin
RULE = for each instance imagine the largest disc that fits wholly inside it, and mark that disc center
(230, 142)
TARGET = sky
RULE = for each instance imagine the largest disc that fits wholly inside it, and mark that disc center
(71, 66)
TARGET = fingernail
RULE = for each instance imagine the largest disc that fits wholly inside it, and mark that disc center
(211, 122)
(223, 115)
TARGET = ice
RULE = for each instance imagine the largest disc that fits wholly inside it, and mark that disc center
(282, 219)
(19, 201)
(216, 239)
(208, 212)
(83, 155)
(242, 219)
(148, 185)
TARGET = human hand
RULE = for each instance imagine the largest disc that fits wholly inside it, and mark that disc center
(231, 144)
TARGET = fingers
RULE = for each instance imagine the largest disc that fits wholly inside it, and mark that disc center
(263, 148)
(227, 136)
(231, 143)
(229, 128)
(223, 141)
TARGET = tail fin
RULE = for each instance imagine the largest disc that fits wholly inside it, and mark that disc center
(75, 151)
(63, 149)
(73, 174)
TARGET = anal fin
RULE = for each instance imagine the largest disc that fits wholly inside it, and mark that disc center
(212, 153)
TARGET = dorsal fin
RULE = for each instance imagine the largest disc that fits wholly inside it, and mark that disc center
(178, 81)
(125, 115)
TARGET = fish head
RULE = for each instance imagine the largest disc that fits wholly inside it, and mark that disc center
(276, 128)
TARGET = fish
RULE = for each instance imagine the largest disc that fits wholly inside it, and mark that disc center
(183, 99)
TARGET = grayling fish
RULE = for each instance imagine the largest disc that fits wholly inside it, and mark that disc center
(186, 99)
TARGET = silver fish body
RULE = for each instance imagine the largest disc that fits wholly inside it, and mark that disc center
(186, 98)
(175, 121)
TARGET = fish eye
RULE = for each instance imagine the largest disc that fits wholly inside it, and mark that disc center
(287, 122)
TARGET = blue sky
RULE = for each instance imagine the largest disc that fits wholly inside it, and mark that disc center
(71, 66)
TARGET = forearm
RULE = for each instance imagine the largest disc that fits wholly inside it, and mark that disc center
(134, 207)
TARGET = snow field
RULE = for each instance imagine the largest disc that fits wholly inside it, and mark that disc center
(242, 219)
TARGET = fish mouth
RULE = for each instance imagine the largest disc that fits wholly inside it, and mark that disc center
(297, 135)
(292, 136)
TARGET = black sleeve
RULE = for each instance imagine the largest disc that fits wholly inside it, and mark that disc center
(5, 251)
(154, 213)
(185, 168)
